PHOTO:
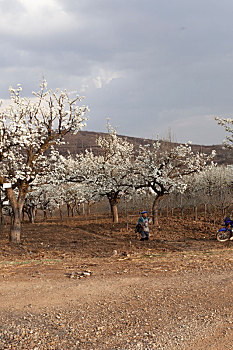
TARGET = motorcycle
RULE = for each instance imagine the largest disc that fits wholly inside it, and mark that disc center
(225, 233)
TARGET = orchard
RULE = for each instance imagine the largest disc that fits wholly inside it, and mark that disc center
(39, 178)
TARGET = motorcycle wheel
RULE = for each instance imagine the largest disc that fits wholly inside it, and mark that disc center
(223, 236)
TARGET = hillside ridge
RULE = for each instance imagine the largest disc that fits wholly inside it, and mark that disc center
(78, 143)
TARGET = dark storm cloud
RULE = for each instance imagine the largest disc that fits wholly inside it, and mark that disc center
(148, 65)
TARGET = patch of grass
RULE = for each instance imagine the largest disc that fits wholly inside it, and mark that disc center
(26, 262)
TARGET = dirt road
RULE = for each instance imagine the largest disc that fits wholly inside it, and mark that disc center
(177, 301)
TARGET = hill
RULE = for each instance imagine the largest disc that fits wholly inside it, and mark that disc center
(87, 140)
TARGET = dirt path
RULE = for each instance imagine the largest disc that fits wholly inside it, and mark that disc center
(172, 292)
(117, 308)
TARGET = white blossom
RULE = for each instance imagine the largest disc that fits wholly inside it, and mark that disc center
(227, 123)
(29, 127)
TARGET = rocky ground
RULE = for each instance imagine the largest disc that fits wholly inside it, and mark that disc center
(87, 289)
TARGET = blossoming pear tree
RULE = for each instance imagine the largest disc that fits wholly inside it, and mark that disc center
(163, 171)
(108, 174)
(212, 187)
(42, 196)
(47, 196)
(28, 128)
(227, 123)
(73, 196)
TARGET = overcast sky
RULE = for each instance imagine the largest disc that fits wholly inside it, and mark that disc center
(148, 65)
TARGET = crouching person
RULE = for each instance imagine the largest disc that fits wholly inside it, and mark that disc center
(144, 221)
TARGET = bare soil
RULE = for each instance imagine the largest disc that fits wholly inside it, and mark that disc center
(85, 283)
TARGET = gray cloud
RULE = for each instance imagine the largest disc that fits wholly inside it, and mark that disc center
(148, 65)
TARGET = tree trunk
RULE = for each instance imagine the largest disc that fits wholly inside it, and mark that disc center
(83, 206)
(155, 209)
(205, 211)
(45, 214)
(182, 212)
(155, 206)
(195, 213)
(2, 221)
(60, 212)
(30, 211)
(114, 199)
(17, 208)
(181, 206)
(1, 212)
(15, 231)
(68, 210)
(31, 214)
(114, 210)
